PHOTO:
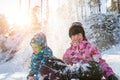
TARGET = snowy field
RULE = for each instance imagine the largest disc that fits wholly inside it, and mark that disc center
(17, 68)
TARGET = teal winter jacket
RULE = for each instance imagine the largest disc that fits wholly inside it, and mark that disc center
(38, 60)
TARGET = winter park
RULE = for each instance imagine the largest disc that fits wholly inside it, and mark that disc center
(59, 39)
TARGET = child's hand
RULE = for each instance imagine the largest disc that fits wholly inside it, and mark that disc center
(69, 61)
(112, 77)
(31, 78)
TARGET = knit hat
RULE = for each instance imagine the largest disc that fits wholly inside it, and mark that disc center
(39, 39)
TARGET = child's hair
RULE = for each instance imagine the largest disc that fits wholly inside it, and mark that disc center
(76, 28)
(39, 39)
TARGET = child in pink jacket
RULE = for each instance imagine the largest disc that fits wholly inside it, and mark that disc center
(82, 51)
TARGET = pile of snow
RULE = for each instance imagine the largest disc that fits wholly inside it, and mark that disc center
(9, 45)
(18, 67)
(112, 57)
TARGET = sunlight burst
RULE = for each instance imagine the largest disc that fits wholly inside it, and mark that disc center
(19, 19)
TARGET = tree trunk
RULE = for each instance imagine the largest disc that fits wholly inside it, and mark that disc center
(99, 5)
(20, 4)
(47, 12)
(29, 5)
(41, 7)
(118, 1)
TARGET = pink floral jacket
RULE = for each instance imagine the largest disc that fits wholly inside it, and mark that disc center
(84, 52)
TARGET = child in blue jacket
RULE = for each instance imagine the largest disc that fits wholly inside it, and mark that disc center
(40, 53)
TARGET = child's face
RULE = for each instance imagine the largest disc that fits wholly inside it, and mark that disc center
(35, 48)
(77, 37)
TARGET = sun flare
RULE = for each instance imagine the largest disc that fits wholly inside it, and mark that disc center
(19, 18)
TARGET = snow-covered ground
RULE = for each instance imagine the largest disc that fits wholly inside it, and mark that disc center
(112, 56)
(17, 68)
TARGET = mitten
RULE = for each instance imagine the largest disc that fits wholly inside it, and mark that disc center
(112, 77)
(30, 77)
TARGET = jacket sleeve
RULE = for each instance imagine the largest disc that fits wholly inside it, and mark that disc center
(67, 58)
(47, 53)
(35, 65)
(107, 71)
